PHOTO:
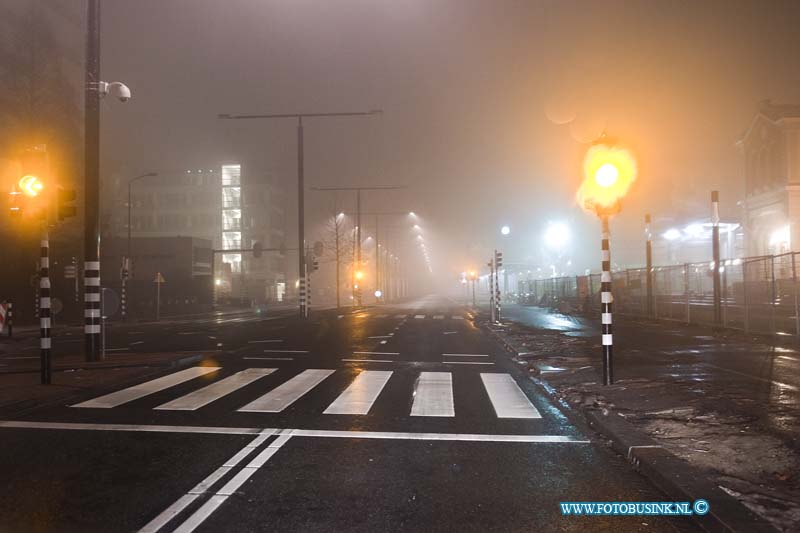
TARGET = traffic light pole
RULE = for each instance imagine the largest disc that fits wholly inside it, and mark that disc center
(44, 307)
(606, 302)
(91, 241)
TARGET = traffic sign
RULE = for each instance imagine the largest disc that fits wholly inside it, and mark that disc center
(70, 272)
(159, 278)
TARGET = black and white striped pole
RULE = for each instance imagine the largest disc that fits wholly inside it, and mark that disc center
(498, 262)
(606, 303)
(44, 308)
(492, 308)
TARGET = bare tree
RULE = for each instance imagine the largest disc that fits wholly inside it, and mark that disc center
(337, 247)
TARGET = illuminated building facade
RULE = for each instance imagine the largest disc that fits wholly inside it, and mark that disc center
(771, 149)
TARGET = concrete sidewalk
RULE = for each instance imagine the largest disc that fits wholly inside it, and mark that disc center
(727, 403)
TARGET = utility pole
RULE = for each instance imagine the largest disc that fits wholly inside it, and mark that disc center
(649, 264)
(715, 244)
(91, 236)
(301, 270)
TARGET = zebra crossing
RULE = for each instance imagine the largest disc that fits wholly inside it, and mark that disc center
(432, 394)
(417, 316)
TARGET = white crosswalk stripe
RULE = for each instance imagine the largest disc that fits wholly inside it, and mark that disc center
(419, 316)
(144, 389)
(507, 398)
(457, 317)
(286, 394)
(215, 391)
(400, 316)
(434, 395)
(438, 317)
(357, 399)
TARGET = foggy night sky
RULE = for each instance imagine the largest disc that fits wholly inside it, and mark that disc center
(466, 88)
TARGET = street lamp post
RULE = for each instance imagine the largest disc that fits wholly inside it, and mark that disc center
(609, 171)
(301, 263)
(126, 263)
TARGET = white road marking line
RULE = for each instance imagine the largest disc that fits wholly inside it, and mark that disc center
(357, 399)
(376, 353)
(129, 427)
(211, 505)
(464, 355)
(380, 337)
(191, 332)
(433, 395)
(384, 342)
(450, 332)
(287, 393)
(149, 387)
(438, 317)
(270, 358)
(116, 349)
(137, 342)
(265, 341)
(788, 358)
(507, 398)
(400, 316)
(215, 391)
(201, 488)
(466, 363)
(457, 317)
(381, 316)
(352, 434)
(285, 351)
(368, 361)
(419, 316)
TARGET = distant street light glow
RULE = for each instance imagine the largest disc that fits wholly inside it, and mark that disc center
(672, 234)
(556, 235)
(378, 293)
(505, 230)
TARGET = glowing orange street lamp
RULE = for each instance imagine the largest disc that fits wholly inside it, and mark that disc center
(609, 171)
(473, 277)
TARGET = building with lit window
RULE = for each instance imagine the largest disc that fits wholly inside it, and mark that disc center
(231, 205)
(771, 149)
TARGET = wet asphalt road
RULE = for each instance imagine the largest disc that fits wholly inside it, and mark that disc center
(422, 432)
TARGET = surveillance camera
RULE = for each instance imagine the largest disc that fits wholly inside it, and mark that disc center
(123, 92)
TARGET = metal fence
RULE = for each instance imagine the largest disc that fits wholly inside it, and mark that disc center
(758, 294)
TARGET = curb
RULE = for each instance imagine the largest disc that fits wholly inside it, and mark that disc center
(672, 475)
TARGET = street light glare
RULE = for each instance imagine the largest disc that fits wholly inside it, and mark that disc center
(609, 171)
(30, 186)
(606, 175)
(672, 234)
(556, 235)
(505, 230)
